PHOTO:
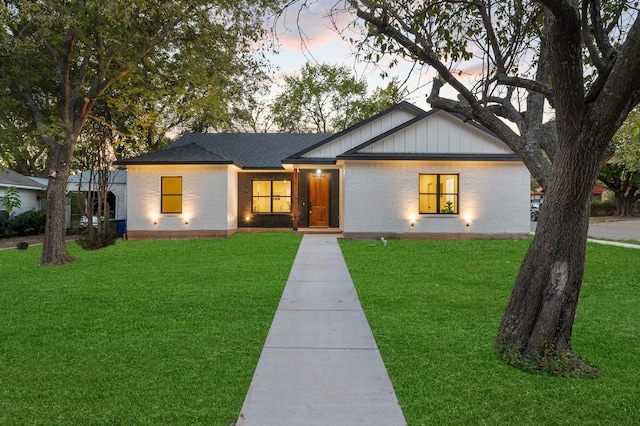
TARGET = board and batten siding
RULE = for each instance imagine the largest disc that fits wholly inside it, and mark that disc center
(381, 197)
(439, 133)
(361, 134)
(209, 198)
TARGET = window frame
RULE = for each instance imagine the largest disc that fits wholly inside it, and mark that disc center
(438, 194)
(272, 197)
(163, 195)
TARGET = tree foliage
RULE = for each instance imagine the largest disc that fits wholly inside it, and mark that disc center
(65, 62)
(20, 147)
(11, 199)
(327, 98)
(508, 62)
(621, 173)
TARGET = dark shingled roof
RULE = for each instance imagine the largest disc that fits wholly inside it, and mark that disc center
(245, 150)
(10, 178)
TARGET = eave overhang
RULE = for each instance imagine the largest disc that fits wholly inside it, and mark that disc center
(429, 157)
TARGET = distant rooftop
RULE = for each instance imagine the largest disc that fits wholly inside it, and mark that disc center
(9, 177)
(115, 176)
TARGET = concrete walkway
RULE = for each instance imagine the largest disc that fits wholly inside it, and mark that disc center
(320, 364)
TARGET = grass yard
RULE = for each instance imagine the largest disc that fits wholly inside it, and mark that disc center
(435, 306)
(143, 332)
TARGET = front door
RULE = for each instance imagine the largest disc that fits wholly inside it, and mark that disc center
(319, 199)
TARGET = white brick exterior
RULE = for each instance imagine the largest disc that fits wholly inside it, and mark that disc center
(378, 192)
(382, 197)
(209, 198)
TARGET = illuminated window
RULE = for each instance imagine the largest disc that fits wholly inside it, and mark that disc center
(438, 194)
(171, 188)
(271, 196)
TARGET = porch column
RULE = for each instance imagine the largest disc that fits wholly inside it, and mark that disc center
(295, 199)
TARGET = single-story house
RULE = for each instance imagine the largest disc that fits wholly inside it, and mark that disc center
(404, 172)
(117, 190)
(32, 193)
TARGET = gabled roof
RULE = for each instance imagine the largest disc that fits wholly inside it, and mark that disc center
(10, 178)
(245, 150)
(401, 106)
(378, 147)
(364, 140)
(360, 153)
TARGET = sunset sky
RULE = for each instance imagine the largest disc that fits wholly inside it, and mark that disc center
(320, 43)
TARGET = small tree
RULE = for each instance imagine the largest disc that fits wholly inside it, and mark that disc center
(95, 155)
(11, 199)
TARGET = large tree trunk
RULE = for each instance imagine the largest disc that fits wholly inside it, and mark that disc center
(625, 201)
(539, 318)
(54, 250)
(623, 207)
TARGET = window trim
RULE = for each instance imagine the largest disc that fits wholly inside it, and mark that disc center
(438, 194)
(272, 197)
(163, 194)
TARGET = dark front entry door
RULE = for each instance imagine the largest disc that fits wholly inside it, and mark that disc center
(319, 199)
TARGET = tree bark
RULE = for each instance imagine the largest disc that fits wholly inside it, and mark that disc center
(54, 251)
(539, 317)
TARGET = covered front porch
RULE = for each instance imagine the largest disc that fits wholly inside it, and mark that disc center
(300, 198)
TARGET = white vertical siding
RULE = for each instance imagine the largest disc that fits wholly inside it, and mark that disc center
(361, 134)
(439, 133)
(383, 196)
(207, 194)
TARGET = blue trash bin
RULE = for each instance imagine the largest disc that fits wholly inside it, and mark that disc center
(122, 227)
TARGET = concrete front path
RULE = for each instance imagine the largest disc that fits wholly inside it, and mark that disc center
(320, 364)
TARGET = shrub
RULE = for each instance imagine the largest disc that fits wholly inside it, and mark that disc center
(31, 222)
(603, 208)
(97, 239)
(4, 223)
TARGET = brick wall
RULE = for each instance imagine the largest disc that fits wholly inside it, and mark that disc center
(205, 199)
(383, 197)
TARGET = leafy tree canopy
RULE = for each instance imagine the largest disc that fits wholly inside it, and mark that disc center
(66, 62)
(621, 173)
(328, 98)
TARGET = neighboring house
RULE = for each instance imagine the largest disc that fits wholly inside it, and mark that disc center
(116, 197)
(32, 193)
(404, 172)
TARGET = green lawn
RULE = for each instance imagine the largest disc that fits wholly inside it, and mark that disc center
(169, 332)
(143, 332)
(434, 308)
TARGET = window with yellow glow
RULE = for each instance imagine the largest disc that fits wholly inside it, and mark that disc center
(271, 196)
(438, 194)
(171, 198)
